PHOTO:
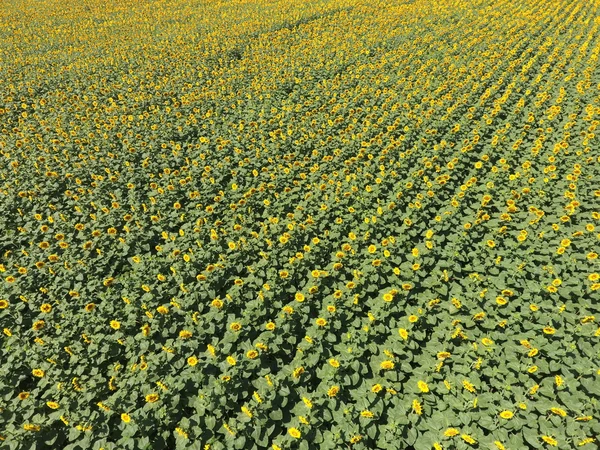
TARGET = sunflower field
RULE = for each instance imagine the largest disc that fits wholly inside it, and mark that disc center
(299, 224)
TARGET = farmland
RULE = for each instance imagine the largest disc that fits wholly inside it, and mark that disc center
(299, 224)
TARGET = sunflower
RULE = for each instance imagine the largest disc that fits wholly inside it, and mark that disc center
(468, 439)
(192, 361)
(550, 441)
(247, 411)
(297, 372)
(417, 407)
(468, 386)
(185, 334)
(152, 398)
(333, 391)
(355, 439)
(387, 365)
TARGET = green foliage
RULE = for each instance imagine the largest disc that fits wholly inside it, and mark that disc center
(307, 224)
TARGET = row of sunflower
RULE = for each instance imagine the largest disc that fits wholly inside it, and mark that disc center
(306, 224)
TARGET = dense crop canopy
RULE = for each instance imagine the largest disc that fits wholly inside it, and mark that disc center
(299, 224)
